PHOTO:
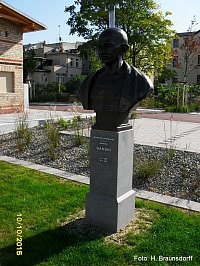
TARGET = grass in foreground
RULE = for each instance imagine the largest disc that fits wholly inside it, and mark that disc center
(46, 203)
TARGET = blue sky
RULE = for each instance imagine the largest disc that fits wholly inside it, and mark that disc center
(51, 13)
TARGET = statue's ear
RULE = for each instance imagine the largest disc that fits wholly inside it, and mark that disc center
(125, 47)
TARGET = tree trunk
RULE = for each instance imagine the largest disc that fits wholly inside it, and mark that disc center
(178, 95)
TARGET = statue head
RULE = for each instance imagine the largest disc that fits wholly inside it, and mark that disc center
(113, 43)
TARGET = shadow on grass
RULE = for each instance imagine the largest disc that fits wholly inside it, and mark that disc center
(50, 243)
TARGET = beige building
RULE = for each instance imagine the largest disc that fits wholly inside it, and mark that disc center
(13, 24)
(186, 60)
(56, 62)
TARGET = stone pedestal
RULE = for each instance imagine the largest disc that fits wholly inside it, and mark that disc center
(111, 200)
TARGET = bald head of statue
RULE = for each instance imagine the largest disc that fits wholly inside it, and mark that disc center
(113, 43)
(115, 89)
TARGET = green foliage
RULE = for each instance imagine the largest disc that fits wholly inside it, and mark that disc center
(79, 139)
(145, 168)
(22, 133)
(65, 124)
(73, 84)
(51, 92)
(169, 97)
(148, 29)
(193, 107)
(171, 152)
(52, 134)
(134, 115)
(29, 64)
(76, 119)
(95, 61)
(165, 74)
(89, 51)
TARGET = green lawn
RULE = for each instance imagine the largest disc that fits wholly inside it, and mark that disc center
(46, 203)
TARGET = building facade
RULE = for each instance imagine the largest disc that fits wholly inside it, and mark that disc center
(185, 60)
(13, 24)
(56, 62)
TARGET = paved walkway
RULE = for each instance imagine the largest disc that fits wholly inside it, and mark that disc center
(166, 132)
(35, 117)
(162, 115)
(142, 113)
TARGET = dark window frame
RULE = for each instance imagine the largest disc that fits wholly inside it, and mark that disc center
(175, 43)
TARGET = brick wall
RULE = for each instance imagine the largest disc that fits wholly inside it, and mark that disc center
(11, 60)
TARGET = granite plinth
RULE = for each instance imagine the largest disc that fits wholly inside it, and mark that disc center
(111, 200)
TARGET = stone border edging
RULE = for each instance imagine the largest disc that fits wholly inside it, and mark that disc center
(152, 196)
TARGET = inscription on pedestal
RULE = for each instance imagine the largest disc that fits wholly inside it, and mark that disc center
(103, 145)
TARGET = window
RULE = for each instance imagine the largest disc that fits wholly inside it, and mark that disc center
(71, 62)
(198, 60)
(175, 43)
(76, 62)
(6, 33)
(175, 61)
(198, 79)
(62, 79)
(6, 82)
(57, 77)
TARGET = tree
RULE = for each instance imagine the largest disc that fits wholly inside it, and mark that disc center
(185, 56)
(73, 84)
(29, 66)
(189, 49)
(147, 28)
(89, 51)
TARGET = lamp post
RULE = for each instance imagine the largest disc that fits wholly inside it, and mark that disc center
(111, 16)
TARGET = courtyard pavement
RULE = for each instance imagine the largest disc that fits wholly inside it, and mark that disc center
(151, 127)
(35, 117)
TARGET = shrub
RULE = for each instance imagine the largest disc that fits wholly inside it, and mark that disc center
(64, 123)
(74, 83)
(144, 168)
(52, 134)
(134, 115)
(22, 133)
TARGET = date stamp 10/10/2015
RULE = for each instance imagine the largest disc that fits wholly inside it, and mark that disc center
(19, 235)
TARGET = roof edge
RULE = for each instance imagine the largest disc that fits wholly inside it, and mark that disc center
(23, 14)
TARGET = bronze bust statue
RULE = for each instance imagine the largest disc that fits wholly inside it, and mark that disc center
(116, 88)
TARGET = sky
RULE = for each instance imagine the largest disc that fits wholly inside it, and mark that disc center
(51, 13)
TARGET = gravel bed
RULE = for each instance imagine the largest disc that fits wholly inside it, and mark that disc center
(177, 176)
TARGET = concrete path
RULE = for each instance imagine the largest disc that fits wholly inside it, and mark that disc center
(167, 133)
(35, 118)
(172, 201)
(148, 131)
(163, 133)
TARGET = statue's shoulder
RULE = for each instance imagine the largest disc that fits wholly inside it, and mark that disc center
(142, 76)
(89, 78)
(136, 71)
(131, 70)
